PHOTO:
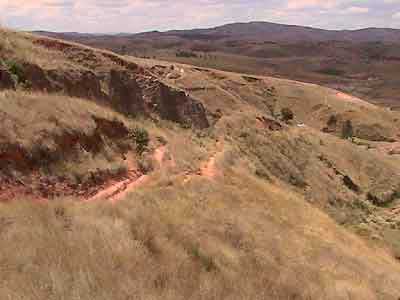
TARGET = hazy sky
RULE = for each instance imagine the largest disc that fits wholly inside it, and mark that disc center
(144, 15)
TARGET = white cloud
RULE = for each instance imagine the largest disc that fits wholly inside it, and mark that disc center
(143, 15)
(357, 10)
(396, 15)
(301, 4)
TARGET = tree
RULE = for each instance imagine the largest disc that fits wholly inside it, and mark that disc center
(141, 138)
(347, 130)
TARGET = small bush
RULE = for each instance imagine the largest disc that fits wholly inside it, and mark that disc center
(332, 122)
(141, 138)
(186, 54)
(162, 140)
(332, 72)
(145, 165)
(118, 170)
(207, 262)
(262, 173)
(347, 130)
(287, 114)
(16, 70)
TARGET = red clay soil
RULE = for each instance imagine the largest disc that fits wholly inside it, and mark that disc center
(113, 190)
(209, 168)
(389, 148)
(119, 190)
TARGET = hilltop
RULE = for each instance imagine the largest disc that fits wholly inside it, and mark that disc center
(362, 62)
(124, 177)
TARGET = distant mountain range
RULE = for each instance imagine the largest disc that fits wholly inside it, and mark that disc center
(261, 31)
(363, 62)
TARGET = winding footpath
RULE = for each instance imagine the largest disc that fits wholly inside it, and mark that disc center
(118, 191)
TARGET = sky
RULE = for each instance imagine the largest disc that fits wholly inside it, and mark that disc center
(113, 16)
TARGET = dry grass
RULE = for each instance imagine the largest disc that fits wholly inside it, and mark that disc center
(247, 234)
(18, 46)
(240, 239)
(28, 118)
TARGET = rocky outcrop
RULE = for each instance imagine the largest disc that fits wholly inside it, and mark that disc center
(37, 78)
(350, 184)
(270, 123)
(6, 80)
(111, 128)
(77, 83)
(383, 197)
(125, 93)
(73, 82)
(175, 105)
(128, 87)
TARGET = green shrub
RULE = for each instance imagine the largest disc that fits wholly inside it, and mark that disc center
(141, 138)
(287, 114)
(16, 70)
(347, 130)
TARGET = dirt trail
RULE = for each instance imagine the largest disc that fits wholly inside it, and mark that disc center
(162, 157)
(112, 192)
(119, 190)
(389, 148)
(209, 168)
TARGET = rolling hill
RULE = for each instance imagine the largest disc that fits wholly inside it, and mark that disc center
(126, 178)
(363, 62)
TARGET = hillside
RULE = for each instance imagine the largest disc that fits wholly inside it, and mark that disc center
(131, 178)
(364, 62)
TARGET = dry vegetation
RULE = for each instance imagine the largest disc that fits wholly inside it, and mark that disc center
(240, 239)
(19, 47)
(277, 220)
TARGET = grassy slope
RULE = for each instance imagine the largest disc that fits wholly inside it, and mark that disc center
(235, 237)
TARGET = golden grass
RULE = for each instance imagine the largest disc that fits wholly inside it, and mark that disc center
(241, 239)
(28, 118)
(237, 236)
(18, 46)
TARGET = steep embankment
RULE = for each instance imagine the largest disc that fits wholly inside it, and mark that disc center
(49, 137)
(225, 192)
